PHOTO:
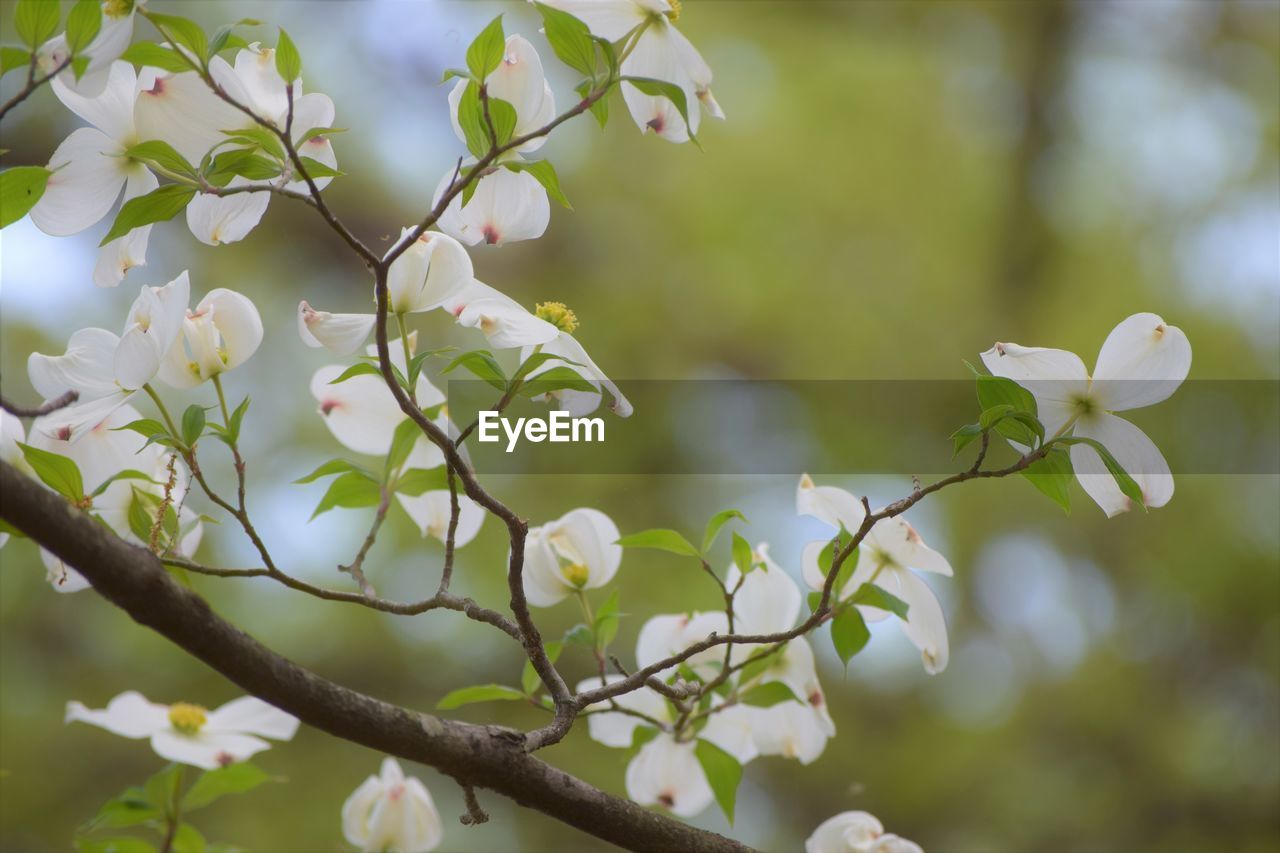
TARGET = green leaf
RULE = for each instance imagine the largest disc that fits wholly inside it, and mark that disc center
(1128, 486)
(162, 154)
(417, 481)
(128, 474)
(83, 23)
(160, 788)
(328, 469)
(990, 416)
(555, 379)
(319, 131)
(192, 424)
(451, 73)
(288, 61)
(351, 490)
(546, 175)
(13, 57)
(188, 840)
(259, 136)
(502, 116)
(123, 844)
(1052, 475)
(402, 442)
(529, 679)
(233, 779)
(768, 695)
(757, 664)
(723, 773)
(670, 91)
(848, 633)
(55, 471)
(156, 206)
(20, 188)
(146, 427)
(471, 120)
(964, 436)
(742, 556)
(140, 519)
(606, 622)
(148, 53)
(36, 21)
(871, 595)
(184, 32)
(128, 809)
(718, 521)
(237, 418)
(478, 693)
(995, 391)
(482, 364)
(599, 107)
(316, 169)
(570, 38)
(580, 634)
(534, 361)
(363, 368)
(486, 51)
(660, 539)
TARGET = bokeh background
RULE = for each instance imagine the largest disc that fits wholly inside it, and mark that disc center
(898, 185)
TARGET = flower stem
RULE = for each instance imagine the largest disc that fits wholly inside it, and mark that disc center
(164, 413)
(222, 400)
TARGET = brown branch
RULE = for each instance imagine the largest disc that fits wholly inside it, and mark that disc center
(43, 409)
(489, 757)
(33, 83)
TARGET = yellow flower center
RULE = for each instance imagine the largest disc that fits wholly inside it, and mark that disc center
(187, 718)
(572, 565)
(557, 315)
(674, 14)
(117, 8)
(575, 573)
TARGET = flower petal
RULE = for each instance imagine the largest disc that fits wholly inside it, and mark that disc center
(238, 323)
(360, 411)
(343, 334)
(1143, 361)
(250, 715)
(668, 774)
(829, 504)
(206, 749)
(214, 219)
(88, 173)
(129, 715)
(124, 253)
(506, 207)
(926, 626)
(1135, 452)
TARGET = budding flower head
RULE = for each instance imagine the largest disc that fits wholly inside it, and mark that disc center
(558, 315)
(187, 718)
(674, 14)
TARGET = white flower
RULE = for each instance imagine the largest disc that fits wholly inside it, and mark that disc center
(519, 81)
(427, 274)
(662, 53)
(1142, 362)
(114, 35)
(666, 773)
(90, 169)
(666, 635)
(221, 334)
(101, 453)
(507, 206)
(392, 812)
(847, 832)
(890, 843)
(188, 734)
(107, 370)
(339, 333)
(575, 402)
(829, 504)
(577, 551)
(616, 728)
(504, 322)
(790, 730)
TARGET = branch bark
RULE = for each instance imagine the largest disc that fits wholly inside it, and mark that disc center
(490, 757)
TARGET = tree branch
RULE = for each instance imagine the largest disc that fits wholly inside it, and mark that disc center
(490, 757)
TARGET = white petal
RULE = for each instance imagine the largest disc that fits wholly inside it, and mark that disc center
(595, 537)
(544, 584)
(666, 635)
(1143, 361)
(768, 600)
(255, 67)
(74, 422)
(829, 504)
(129, 715)
(136, 359)
(844, 832)
(579, 403)
(900, 541)
(111, 41)
(111, 111)
(86, 367)
(926, 626)
(1056, 378)
(730, 729)
(428, 273)
(11, 432)
(431, 512)
(658, 56)
(238, 323)
(123, 254)
(505, 324)
(617, 729)
(506, 207)
(88, 174)
(1135, 452)
(60, 576)
(343, 334)
(668, 774)
(214, 219)
(360, 412)
(789, 729)
(890, 843)
(250, 715)
(206, 749)
(180, 109)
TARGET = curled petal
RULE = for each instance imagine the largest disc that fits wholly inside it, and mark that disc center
(846, 831)
(428, 273)
(829, 504)
(217, 219)
(343, 334)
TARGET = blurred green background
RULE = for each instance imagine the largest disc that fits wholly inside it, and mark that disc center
(898, 185)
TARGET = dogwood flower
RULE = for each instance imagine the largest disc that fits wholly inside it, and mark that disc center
(667, 634)
(362, 415)
(660, 53)
(1142, 362)
(103, 452)
(189, 734)
(617, 728)
(507, 206)
(577, 551)
(114, 35)
(856, 832)
(576, 402)
(11, 432)
(221, 334)
(392, 811)
(666, 772)
(519, 81)
(339, 333)
(427, 274)
(504, 322)
(90, 169)
(107, 370)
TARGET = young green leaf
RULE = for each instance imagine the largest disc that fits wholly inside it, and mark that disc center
(570, 38)
(156, 206)
(606, 623)
(351, 490)
(55, 471)
(529, 680)
(483, 365)
(742, 556)
(555, 379)
(36, 21)
(660, 539)
(1052, 475)
(417, 481)
(723, 773)
(13, 57)
(148, 53)
(478, 693)
(599, 107)
(83, 23)
(192, 424)
(288, 62)
(502, 117)
(848, 633)
(995, 391)
(127, 474)
(485, 53)
(768, 695)
(127, 809)
(328, 469)
(871, 595)
(183, 32)
(162, 154)
(402, 442)
(363, 368)
(213, 784)
(545, 174)
(20, 188)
